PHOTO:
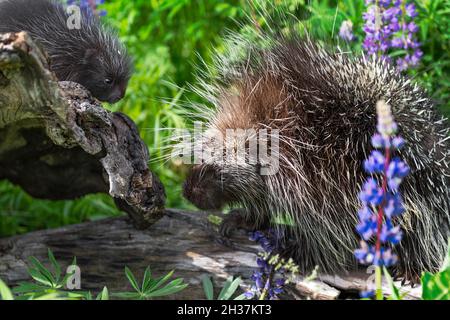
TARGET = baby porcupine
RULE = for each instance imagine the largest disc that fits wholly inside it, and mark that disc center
(91, 55)
(323, 105)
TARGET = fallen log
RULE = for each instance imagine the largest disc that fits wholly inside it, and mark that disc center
(58, 142)
(182, 241)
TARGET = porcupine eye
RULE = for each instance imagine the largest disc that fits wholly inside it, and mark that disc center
(108, 81)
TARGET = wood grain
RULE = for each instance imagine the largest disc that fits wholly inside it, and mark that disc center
(182, 241)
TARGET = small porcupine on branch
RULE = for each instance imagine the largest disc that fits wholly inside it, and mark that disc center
(323, 105)
(91, 55)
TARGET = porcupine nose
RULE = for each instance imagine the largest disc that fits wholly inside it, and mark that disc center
(117, 95)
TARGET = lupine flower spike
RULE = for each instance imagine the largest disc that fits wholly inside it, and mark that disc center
(380, 196)
(273, 272)
(346, 31)
(389, 24)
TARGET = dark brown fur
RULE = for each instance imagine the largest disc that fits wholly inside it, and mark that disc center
(91, 55)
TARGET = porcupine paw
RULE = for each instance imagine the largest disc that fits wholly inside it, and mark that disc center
(237, 219)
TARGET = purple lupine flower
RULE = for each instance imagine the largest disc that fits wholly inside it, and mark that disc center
(89, 6)
(411, 10)
(375, 162)
(371, 194)
(381, 200)
(367, 294)
(346, 31)
(271, 276)
(389, 25)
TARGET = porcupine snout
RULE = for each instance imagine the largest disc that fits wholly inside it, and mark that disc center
(204, 188)
(117, 93)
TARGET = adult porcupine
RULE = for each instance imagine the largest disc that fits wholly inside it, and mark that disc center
(91, 55)
(323, 105)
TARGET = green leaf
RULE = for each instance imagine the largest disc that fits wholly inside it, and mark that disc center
(437, 286)
(395, 295)
(36, 275)
(25, 287)
(225, 288)
(216, 220)
(241, 297)
(132, 279)
(76, 295)
(147, 281)
(5, 292)
(50, 296)
(55, 264)
(171, 288)
(42, 270)
(232, 289)
(208, 287)
(158, 282)
(104, 295)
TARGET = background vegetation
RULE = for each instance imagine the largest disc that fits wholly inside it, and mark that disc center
(167, 39)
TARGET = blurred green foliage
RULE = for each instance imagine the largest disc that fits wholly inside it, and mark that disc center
(167, 39)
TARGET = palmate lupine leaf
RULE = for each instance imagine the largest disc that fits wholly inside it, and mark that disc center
(151, 288)
(47, 284)
(40, 273)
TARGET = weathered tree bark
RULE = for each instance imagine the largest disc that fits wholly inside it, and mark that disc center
(57, 142)
(182, 241)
